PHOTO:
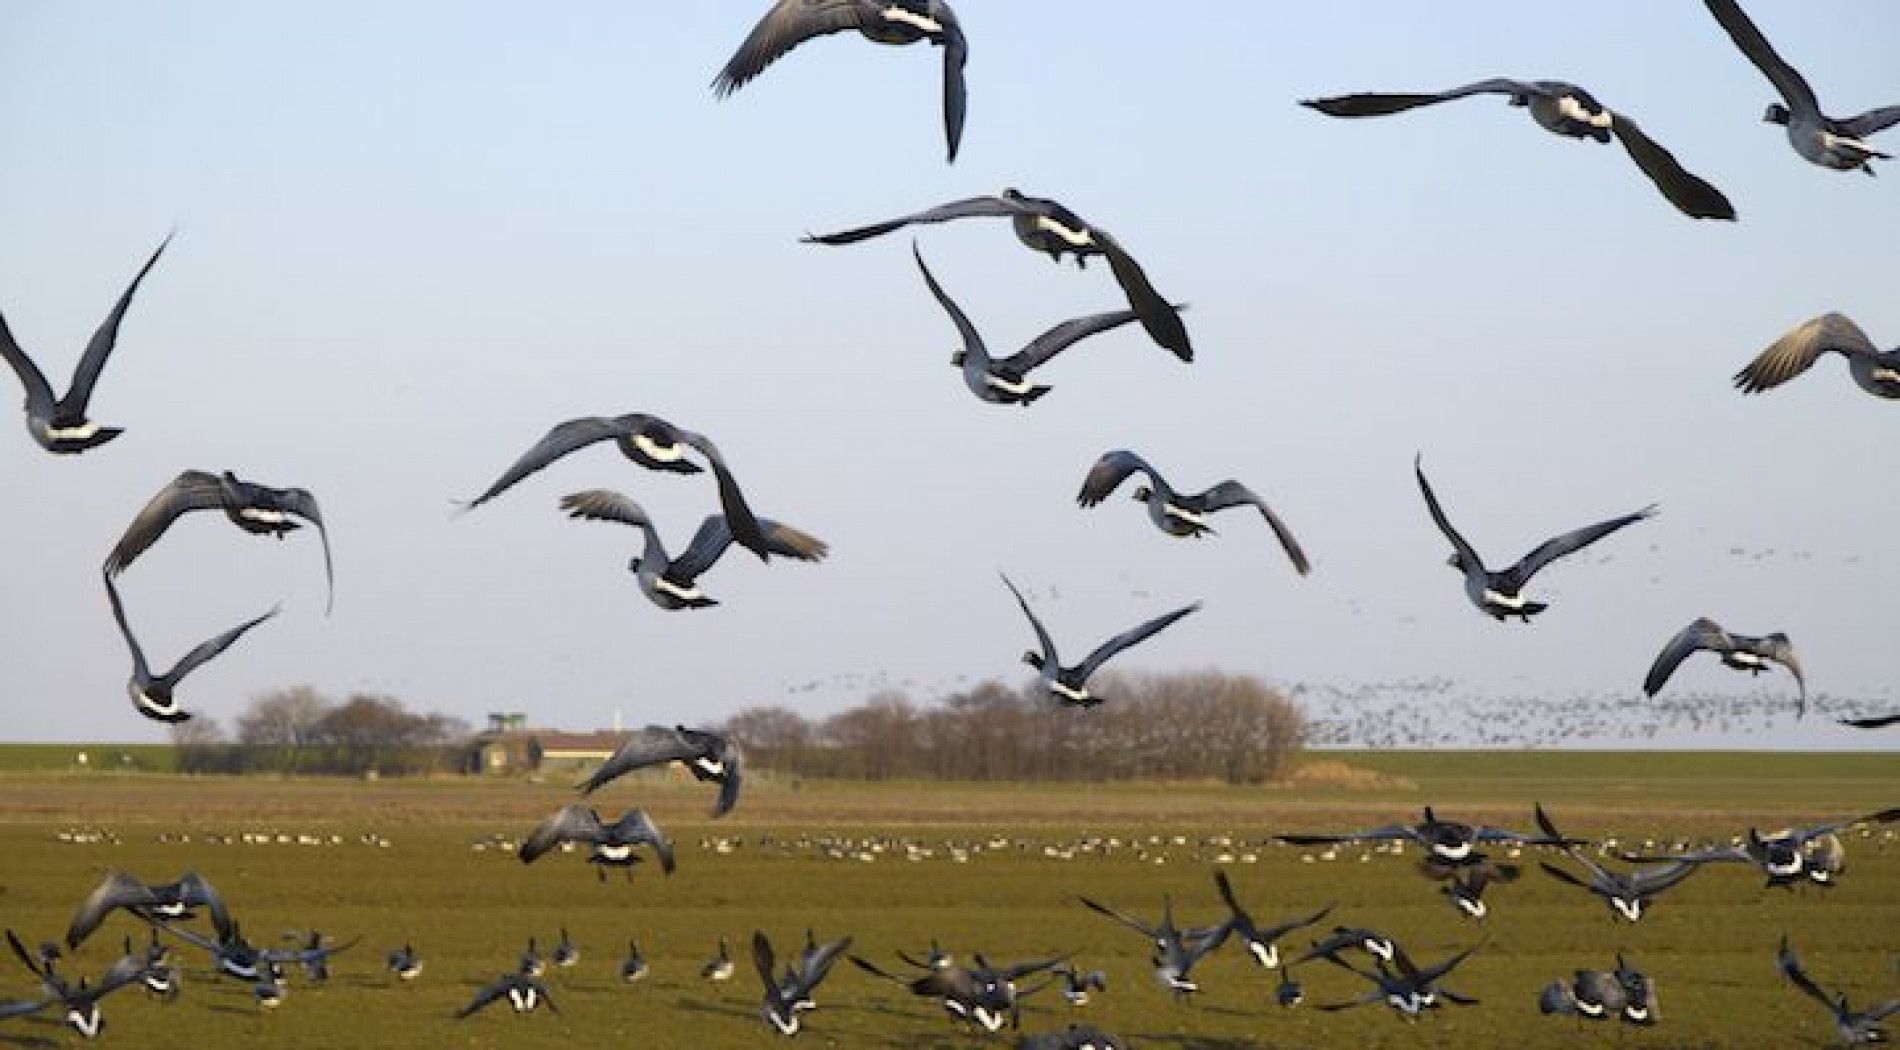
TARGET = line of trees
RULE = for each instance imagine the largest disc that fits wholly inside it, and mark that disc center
(299, 730)
(1204, 725)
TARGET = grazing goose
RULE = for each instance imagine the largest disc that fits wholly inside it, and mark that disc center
(635, 966)
(257, 509)
(1627, 895)
(1178, 513)
(673, 583)
(982, 996)
(405, 963)
(1496, 594)
(1043, 225)
(1855, 1028)
(720, 967)
(612, 844)
(1819, 138)
(1404, 986)
(59, 425)
(1262, 944)
(708, 756)
(1826, 859)
(523, 991)
(79, 1003)
(172, 901)
(788, 995)
(1873, 370)
(316, 957)
(1004, 381)
(1781, 857)
(1175, 952)
(792, 22)
(152, 695)
(1566, 110)
(1639, 995)
(1075, 1037)
(1078, 984)
(1448, 841)
(1740, 651)
(566, 952)
(651, 442)
(1069, 685)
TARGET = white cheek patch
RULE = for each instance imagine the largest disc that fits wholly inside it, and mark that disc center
(1079, 238)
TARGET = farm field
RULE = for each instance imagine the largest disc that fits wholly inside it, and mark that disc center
(835, 857)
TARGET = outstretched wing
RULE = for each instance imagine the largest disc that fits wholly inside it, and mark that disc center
(715, 535)
(1870, 122)
(1648, 882)
(1059, 338)
(564, 438)
(1468, 559)
(1110, 471)
(1874, 722)
(1133, 636)
(189, 491)
(972, 340)
(93, 361)
(1796, 351)
(1794, 90)
(39, 394)
(1691, 195)
(973, 207)
(1234, 494)
(1049, 657)
(816, 966)
(139, 665)
(1374, 104)
(205, 650)
(604, 505)
(1778, 648)
(1274, 933)
(1156, 313)
(745, 526)
(304, 505)
(1704, 633)
(650, 746)
(763, 961)
(573, 821)
(491, 992)
(1569, 543)
(1126, 920)
(636, 826)
(1388, 832)
(788, 24)
(956, 51)
(1790, 966)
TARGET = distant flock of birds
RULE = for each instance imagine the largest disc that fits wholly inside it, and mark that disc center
(983, 995)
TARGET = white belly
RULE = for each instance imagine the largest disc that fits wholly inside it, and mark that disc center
(262, 514)
(712, 767)
(990, 1021)
(1573, 109)
(923, 23)
(1079, 238)
(157, 707)
(689, 594)
(655, 450)
(79, 433)
(1885, 375)
(1492, 597)
(1018, 388)
(1747, 659)
(1077, 695)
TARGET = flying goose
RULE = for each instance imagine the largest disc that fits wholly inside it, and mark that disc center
(612, 844)
(1078, 984)
(1175, 952)
(1179, 513)
(673, 583)
(792, 22)
(257, 509)
(1069, 685)
(152, 695)
(269, 990)
(788, 995)
(79, 1002)
(1465, 883)
(1821, 139)
(171, 901)
(1873, 370)
(523, 992)
(1567, 110)
(719, 968)
(1045, 226)
(1782, 857)
(237, 957)
(1448, 841)
(708, 756)
(635, 966)
(1627, 895)
(1740, 651)
(983, 995)
(1357, 938)
(1004, 381)
(316, 955)
(60, 425)
(651, 442)
(405, 963)
(161, 974)
(1496, 594)
(1261, 943)
(1402, 985)
(1875, 722)
(1856, 1028)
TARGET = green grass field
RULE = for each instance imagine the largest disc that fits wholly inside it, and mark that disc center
(1709, 944)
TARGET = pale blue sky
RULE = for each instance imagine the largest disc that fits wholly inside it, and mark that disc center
(412, 237)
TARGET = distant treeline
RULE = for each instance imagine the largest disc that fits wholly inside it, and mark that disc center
(301, 731)
(1204, 725)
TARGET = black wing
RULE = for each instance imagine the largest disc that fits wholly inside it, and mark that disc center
(93, 361)
(1156, 313)
(974, 207)
(1110, 471)
(563, 439)
(1876, 722)
(1871, 121)
(1126, 920)
(304, 505)
(493, 991)
(1569, 543)
(636, 826)
(1790, 966)
(1049, 657)
(139, 666)
(1065, 335)
(1234, 494)
(1468, 559)
(1703, 634)
(1388, 832)
(1133, 636)
(1691, 195)
(206, 650)
(729, 787)
(650, 746)
(1794, 90)
(1373, 104)
(788, 24)
(573, 821)
(1796, 351)
(39, 394)
(763, 961)
(956, 52)
(189, 491)
(746, 527)
(972, 340)
(816, 966)
(715, 535)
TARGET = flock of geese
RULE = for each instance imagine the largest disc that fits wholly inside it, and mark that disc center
(983, 995)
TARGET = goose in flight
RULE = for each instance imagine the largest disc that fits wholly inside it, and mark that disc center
(1180, 513)
(1855, 1027)
(651, 442)
(79, 1003)
(1005, 381)
(1262, 942)
(1046, 226)
(789, 994)
(524, 995)
(257, 509)
(708, 756)
(171, 901)
(60, 425)
(1872, 369)
(612, 844)
(1497, 594)
(1739, 651)
(1627, 895)
(1402, 984)
(1175, 950)
(1448, 841)
(792, 22)
(153, 695)
(1070, 685)
(673, 583)
(1783, 857)
(1821, 139)
(1563, 109)
(983, 995)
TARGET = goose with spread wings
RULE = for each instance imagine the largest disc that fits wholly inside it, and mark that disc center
(898, 22)
(710, 757)
(1855, 1027)
(673, 583)
(1175, 950)
(1070, 685)
(980, 995)
(257, 509)
(79, 1003)
(1739, 651)
(1262, 942)
(611, 845)
(1626, 894)
(1784, 857)
(1820, 139)
(1182, 513)
(524, 994)
(1044, 225)
(1874, 370)
(171, 901)
(59, 424)
(789, 994)
(1563, 109)
(1499, 594)
(1403, 985)
(154, 695)
(1005, 380)
(1448, 841)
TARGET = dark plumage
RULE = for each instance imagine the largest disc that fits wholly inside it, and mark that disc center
(612, 844)
(1739, 651)
(1874, 370)
(789, 994)
(152, 695)
(169, 901)
(1069, 685)
(524, 995)
(1855, 1027)
(672, 582)
(1181, 513)
(79, 1002)
(709, 756)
